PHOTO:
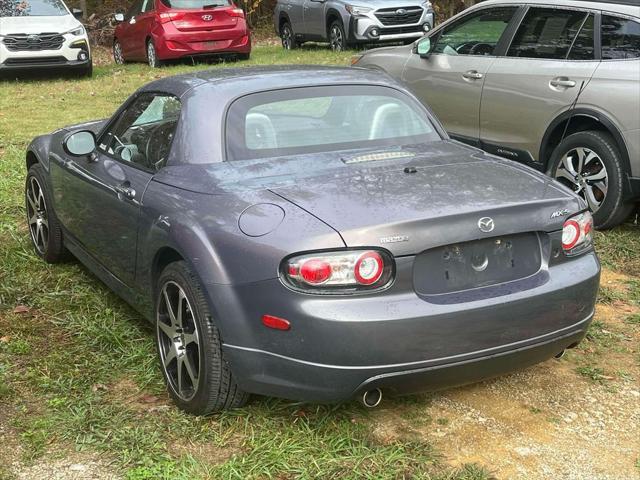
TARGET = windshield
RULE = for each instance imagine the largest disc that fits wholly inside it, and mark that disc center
(195, 4)
(324, 119)
(32, 8)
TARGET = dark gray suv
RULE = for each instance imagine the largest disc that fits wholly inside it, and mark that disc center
(553, 84)
(344, 24)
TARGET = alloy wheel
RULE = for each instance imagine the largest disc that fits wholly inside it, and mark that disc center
(117, 53)
(287, 37)
(178, 341)
(582, 170)
(37, 216)
(336, 40)
(151, 55)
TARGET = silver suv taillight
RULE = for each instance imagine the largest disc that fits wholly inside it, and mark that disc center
(577, 233)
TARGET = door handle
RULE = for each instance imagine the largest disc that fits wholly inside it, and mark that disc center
(473, 75)
(562, 82)
(126, 191)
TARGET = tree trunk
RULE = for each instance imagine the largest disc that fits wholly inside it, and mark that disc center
(83, 7)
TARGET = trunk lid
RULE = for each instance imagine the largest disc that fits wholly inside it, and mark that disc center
(205, 19)
(439, 204)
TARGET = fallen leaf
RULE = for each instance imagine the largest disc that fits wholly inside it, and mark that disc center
(99, 386)
(5, 339)
(148, 399)
(22, 309)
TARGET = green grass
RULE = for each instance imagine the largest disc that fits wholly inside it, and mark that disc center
(78, 369)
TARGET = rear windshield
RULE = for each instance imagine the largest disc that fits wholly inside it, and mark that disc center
(194, 4)
(324, 119)
(32, 8)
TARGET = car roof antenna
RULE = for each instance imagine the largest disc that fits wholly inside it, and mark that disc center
(571, 109)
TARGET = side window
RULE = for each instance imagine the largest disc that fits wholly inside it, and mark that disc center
(584, 46)
(620, 38)
(134, 10)
(475, 34)
(547, 33)
(144, 131)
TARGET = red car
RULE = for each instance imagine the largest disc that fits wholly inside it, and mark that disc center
(158, 30)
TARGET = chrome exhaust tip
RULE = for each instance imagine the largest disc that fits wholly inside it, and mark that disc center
(371, 398)
(559, 355)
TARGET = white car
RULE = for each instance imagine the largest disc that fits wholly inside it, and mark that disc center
(38, 34)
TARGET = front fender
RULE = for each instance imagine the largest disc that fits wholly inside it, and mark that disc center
(38, 151)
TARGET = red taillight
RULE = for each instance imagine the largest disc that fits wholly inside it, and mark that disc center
(368, 268)
(236, 12)
(340, 270)
(315, 271)
(275, 322)
(577, 233)
(166, 17)
(570, 234)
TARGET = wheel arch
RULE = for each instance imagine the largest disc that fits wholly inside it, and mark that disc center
(580, 120)
(162, 258)
(31, 159)
(332, 15)
(282, 19)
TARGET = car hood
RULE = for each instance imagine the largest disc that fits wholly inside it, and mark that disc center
(434, 196)
(34, 24)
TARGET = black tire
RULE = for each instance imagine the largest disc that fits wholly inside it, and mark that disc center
(215, 388)
(152, 55)
(118, 56)
(608, 205)
(45, 233)
(337, 37)
(287, 37)
(88, 71)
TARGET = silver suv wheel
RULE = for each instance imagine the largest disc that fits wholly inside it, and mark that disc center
(336, 37)
(591, 165)
(582, 170)
(286, 35)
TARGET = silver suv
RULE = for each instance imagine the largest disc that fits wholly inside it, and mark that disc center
(344, 24)
(552, 84)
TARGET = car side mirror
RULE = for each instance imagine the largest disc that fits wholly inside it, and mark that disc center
(80, 143)
(76, 12)
(424, 47)
(118, 17)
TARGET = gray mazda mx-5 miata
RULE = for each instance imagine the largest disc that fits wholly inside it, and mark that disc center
(313, 234)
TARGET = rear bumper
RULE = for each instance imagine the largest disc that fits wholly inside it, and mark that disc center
(397, 340)
(173, 44)
(332, 383)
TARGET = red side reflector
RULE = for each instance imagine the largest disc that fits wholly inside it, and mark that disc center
(276, 322)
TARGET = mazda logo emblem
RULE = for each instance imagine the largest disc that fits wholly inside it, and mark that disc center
(33, 38)
(401, 11)
(486, 224)
(207, 18)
